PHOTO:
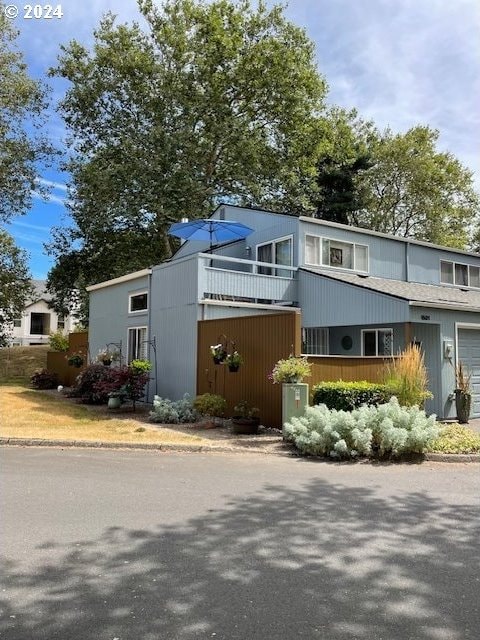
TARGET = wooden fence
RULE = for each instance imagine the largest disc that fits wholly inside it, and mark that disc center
(262, 340)
(57, 361)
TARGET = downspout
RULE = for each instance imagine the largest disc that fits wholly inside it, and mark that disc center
(149, 330)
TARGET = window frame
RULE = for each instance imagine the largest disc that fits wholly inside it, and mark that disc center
(279, 267)
(330, 266)
(376, 330)
(454, 264)
(326, 340)
(138, 356)
(134, 295)
(17, 323)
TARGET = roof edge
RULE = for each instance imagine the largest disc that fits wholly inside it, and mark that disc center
(129, 276)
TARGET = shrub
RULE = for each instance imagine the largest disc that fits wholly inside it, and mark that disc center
(349, 395)
(210, 404)
(388, 429)
(406, 377)
(173, 412)
(44, 379)
(140, 366)
(58, 341)
(94, 384)
(455, 438)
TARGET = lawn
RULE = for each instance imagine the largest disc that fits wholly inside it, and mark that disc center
(27, 413)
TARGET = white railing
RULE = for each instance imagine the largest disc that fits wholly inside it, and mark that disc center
(244, 282)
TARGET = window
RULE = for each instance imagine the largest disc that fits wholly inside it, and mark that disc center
(333, 253)
(17, 322)
(315, 341)
(462, 275)
(377, 342)
(39, 324)
(276, 252)
(61, 323)
(137, 343)
(138, 302)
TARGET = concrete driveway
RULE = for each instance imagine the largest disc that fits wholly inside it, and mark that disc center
(115, 545)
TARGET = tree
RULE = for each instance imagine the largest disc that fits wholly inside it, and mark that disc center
(213, 101)
(344, 156)
(15, 286)
(21, 150)
(416, 191)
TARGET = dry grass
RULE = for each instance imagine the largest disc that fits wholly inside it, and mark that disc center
(26, 413)
(18, 363)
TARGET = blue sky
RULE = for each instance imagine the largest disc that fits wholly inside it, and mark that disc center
(399, 62)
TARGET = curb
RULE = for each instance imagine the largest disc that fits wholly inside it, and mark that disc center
(197, 448)
(452, 457)
(86, 444)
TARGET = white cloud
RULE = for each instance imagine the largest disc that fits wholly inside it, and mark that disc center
(58, 186)
(49, 198)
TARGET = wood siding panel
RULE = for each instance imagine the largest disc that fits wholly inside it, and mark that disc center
(57, 361)
(261, 340)
(332, 368)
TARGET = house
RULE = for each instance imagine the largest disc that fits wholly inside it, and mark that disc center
(360, 293)
(38, 320)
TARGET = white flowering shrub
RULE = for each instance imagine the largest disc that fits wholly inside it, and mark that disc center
(387, 429)
(173, 412)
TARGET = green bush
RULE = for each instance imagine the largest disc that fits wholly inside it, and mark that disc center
(210, 404)
(58, 341)
(346, 396)
(168, 411)
(388, 429)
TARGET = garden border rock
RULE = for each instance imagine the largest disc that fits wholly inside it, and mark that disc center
(197, 448)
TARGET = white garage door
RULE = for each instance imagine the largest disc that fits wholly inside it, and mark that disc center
(469, 354)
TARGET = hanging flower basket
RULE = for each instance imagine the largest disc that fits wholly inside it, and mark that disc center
(233, 361)
(219, 353)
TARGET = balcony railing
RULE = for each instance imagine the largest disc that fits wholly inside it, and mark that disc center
(224, 278)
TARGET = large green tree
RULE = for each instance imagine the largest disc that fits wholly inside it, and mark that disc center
(22, 152)
(407, 187)
(209, 101)
(22, 149)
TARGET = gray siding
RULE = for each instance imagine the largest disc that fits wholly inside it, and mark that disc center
(425, 262)
(337, 333)
(386, 257)
(445, 372)
(109, 317)
(326, 303)
(213, 312)
(174, 314)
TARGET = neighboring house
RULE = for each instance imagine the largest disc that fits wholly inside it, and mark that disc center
(360, 293)
(38, 320)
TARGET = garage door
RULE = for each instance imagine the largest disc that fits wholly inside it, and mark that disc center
(469, 354)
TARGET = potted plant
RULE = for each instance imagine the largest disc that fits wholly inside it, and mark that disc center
(212, 407)
(245, 418)
(106, 357)
(463, 393)
(291, 370)
(75, 360)
(116, 398)
(219, 353)
(233, 361)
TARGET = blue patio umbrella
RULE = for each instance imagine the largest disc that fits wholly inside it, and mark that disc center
(214, 231)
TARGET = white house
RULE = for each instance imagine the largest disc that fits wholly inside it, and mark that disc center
(38, 320)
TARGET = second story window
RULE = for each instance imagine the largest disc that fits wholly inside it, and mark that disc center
(138, 302)
(17, 322)
(462, 275)
(276, 252)
(333, 253)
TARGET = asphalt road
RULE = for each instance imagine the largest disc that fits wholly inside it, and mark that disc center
(116, 545)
